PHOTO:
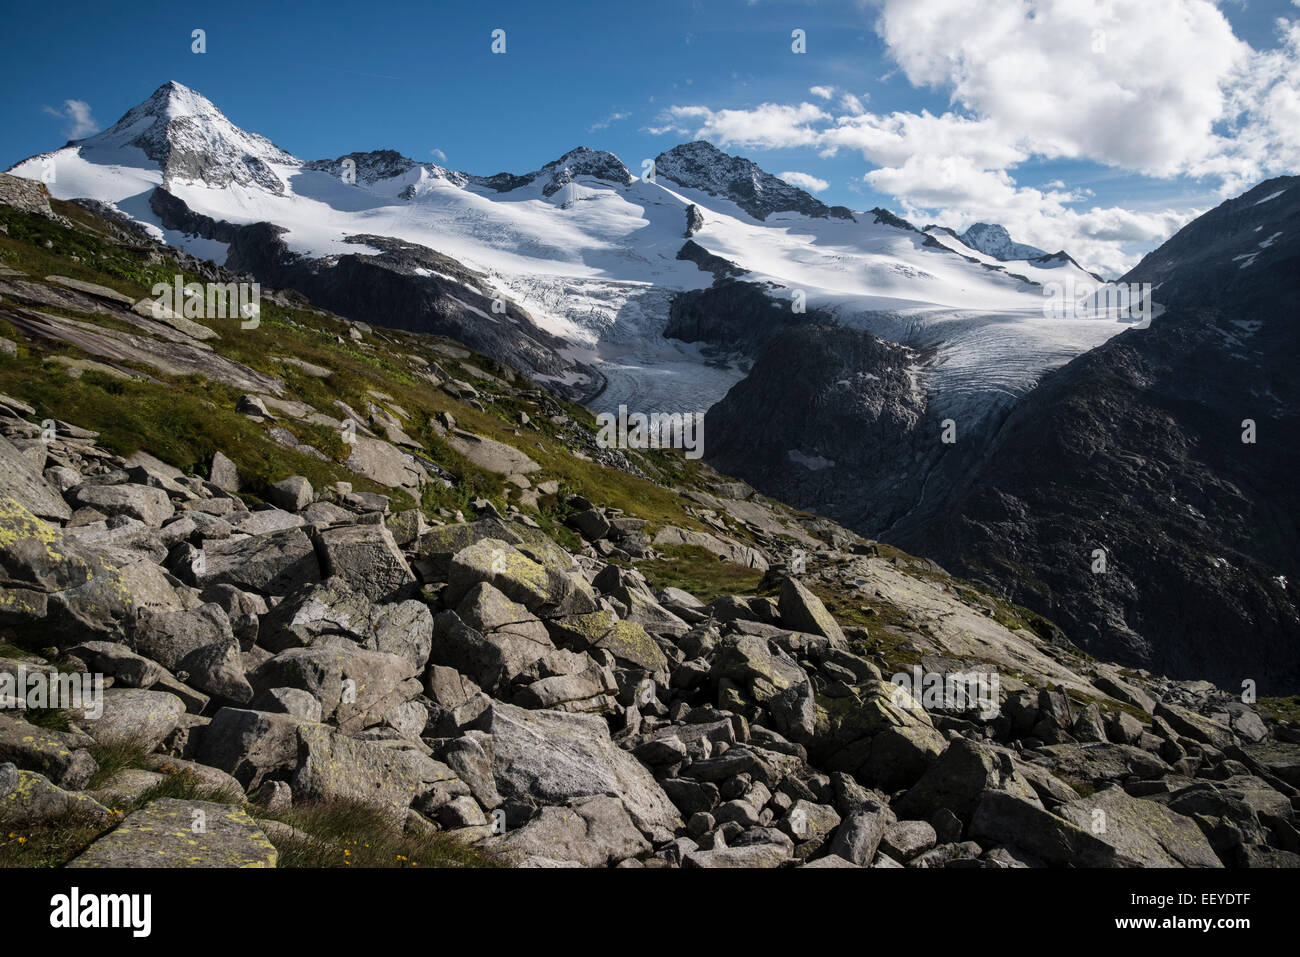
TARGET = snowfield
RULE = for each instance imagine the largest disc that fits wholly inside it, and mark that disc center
(595, 261)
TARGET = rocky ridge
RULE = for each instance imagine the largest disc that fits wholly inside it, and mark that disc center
(994, 240)
(701, 165)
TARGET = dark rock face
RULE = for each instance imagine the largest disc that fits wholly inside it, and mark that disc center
(829, 419)
(1137, 448)
(736, 316)
(891, 219)
(707, 261)
(377, 165)
(1129, 450)
(1235, 257)
(703, 166)
(694, 220)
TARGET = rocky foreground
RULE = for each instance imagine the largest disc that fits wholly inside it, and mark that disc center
(695, 677)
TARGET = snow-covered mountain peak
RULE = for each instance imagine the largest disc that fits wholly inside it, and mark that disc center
(173, 100)
(408, 179)
(701, 165)
(583, 161)
(555, 175)
(994, 240)
(191, 141)
(384, 166)
(591, 256)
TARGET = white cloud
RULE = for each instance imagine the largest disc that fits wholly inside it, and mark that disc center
(805, 181)
(769, 126)
(438, 154)
(80, 123)
(957, 193)
(1161, 88)
(611, 118)
(892, 139)
(1138, 84)
(852, 104)
(1267, 93)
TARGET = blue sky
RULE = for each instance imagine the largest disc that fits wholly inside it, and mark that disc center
(929, 107)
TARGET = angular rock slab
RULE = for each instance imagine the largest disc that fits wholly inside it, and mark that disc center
(332, 766)
(149, 505)
(491, 455)
(274, 563)
(557, 757)
(33, 748)
(251, 745)
(367, 557)
(199, 643)
(135, 715)
(331, 608)
(749, 856)
(28, 798)
(54, 586)
(23, 483)
(596, 832)
(804, 611)
(354, 686)
(174, 833)
(1143, 831)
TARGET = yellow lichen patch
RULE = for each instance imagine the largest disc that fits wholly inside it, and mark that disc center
(18, 525)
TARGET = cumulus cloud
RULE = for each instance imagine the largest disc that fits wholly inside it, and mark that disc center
(1160, 88)
(438, 154)
(805, 181)
(892, 139)
(958, 193)
(80, 122)
(769, 126)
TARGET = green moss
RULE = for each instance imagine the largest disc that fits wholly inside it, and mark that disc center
(700, 572)
(1285, 710)
(558, 532)
(74, 253)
